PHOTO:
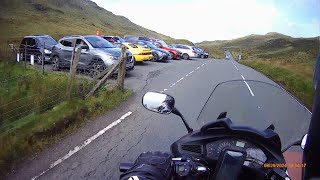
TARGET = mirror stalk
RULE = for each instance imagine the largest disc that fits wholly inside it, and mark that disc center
(177, 112)
(297, 143)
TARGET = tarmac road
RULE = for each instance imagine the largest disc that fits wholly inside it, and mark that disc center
(190, 82)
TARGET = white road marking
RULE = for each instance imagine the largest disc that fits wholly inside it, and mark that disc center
(165, 89)
(187, 75)
(173, 84)
(198, 67)
(247, 85)
(84, 144)
(191, 72)
(235, 66)
(180, 80)
(202, 64)
(161, 91)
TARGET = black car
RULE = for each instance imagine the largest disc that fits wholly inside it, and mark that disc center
(203, 53)
(34, 44)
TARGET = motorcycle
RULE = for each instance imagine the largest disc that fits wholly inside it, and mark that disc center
(244, 140)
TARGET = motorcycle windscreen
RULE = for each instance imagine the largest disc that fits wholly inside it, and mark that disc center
(258, 105)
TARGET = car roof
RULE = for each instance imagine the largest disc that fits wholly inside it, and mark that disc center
(79, 36)
(37, 35)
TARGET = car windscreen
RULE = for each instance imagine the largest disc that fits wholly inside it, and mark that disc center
(47, 40)
(99, 42)
(150, 44)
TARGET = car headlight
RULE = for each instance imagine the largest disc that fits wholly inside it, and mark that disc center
(46, 51)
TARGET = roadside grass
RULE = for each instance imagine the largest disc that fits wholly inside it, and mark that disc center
(30, 134)
(25, 90)
(291, 76)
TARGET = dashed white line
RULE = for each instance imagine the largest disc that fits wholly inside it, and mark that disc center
(187, 75)
(191, 72)
(84, 144)
(242, 77)
(202, 64)
(165, 90)
(235, 66)
(173, 84)
(198, 67)
(180, 80)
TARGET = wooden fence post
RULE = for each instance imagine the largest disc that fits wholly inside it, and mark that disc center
(122, 68)
(42, 57)
(73, 70)
(25, 55)
(104, 79)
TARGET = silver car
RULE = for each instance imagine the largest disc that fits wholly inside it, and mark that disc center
(97, 54)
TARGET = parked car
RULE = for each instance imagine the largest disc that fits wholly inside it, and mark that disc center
(113, 39)
(33, 45)
(158, 54)
(187, 51)
(203, 53)
(140, 53)
(97, 54)
(174, 53)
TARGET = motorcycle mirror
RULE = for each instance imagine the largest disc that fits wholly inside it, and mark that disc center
(304, 141)
(158, 102)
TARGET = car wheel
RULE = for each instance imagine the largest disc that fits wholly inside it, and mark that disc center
(38, 59)
(96, 68)
(155, 57)
(185, 56)
(55, 63)
(171, 55)
(202, 56)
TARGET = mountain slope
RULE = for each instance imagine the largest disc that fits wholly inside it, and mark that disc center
(270, 43)
(63, 17)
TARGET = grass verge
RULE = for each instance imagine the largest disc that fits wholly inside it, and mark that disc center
(32, 133)
(299, 84)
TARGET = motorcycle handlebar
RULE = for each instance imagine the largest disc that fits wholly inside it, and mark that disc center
(180, 166)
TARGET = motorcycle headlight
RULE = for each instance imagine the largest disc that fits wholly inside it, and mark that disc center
(46, 51)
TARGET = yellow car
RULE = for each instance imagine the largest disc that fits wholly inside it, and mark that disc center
(140, 53)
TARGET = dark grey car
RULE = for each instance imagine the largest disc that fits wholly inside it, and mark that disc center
(97, 54)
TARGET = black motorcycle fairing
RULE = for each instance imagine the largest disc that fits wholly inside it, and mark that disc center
(268, 135)
(194, 144)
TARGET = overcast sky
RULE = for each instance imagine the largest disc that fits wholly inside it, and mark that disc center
(199, 20)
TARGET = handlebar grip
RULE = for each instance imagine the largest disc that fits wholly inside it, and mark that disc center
(124, 167)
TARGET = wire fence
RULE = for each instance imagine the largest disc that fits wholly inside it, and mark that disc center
(26, 87)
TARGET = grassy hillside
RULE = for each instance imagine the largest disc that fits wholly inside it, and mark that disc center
(63, 17)
(290, 61)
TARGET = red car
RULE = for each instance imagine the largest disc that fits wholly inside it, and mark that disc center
(175, 54)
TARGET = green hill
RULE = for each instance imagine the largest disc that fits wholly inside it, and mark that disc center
(255, 45)
(64, 17)
(287, 60)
